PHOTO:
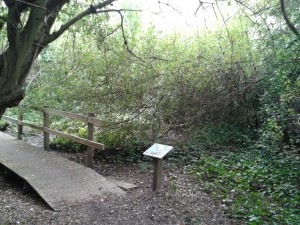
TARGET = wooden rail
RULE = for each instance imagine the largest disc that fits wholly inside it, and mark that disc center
(90, 120)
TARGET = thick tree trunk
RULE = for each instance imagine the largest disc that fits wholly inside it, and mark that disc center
(14, 69)
(17, 59)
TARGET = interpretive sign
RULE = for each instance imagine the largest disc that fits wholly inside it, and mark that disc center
(158, 151)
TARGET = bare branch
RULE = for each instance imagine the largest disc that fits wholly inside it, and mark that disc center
(253, 12)
(89, 11)
(119, 11)
(31, 4)
(167, 4)
(201, 4)
(125, 40)
(287, 20)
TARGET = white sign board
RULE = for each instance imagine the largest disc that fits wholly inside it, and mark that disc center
(158, 151)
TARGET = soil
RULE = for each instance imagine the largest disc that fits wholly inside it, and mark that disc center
(181, 200)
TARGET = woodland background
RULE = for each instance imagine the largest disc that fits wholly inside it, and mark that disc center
(227, 97)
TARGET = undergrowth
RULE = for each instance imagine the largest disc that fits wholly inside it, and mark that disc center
(118, 146)
(121, 146)
(66, 145)
(3, 125)
(254, 185)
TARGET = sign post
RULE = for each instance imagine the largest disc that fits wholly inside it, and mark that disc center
(157, 152)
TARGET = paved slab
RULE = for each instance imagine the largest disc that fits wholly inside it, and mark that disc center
(121, 184)
(57, 180)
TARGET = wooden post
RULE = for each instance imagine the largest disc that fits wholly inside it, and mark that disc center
(90, 150)
(157, 175)
(20, 126)
(46, 134)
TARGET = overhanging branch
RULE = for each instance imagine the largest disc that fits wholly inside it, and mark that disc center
(27, 3)
(287, 20)
(124, 38)
(89, 11)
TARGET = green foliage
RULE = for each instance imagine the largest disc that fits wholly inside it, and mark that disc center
(3, 125)
(67, 145)
(112, 138)
(121, 147)
(214, 137)
(256, 186)
(224, 136)
(174, 82)
(233, 85)
(280, 103)
(133, 149)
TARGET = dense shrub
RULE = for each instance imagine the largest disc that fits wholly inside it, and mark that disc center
(3, 125)
(63, 144)
(121, 147)
(224, 136)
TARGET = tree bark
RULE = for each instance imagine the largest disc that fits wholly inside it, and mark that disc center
(17, 60)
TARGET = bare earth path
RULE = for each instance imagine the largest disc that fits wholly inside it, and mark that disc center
(180, 202)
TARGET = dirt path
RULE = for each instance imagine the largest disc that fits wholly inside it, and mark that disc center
(181, 200)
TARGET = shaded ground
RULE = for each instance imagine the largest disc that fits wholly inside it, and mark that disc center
(181, 200)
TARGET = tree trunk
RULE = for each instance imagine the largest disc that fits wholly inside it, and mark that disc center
(17, 59)
(14, 69)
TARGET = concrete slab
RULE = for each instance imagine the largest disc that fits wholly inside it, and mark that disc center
(121, 184)
(57, 180)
